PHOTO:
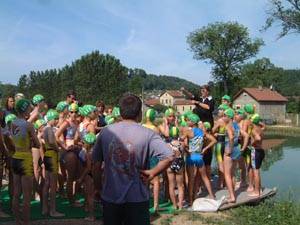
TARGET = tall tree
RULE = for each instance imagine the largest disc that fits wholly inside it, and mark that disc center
(225, 45)
(286, 13)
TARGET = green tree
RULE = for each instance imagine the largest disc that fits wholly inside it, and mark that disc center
(286, 13)
(225, 45)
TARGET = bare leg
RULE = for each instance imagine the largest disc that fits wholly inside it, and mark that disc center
(257, 183)
(206, 182)
(16, 197)
(208, 171)
(242, 166)
(171, 179)
(251, 180)
(53, 186)
(46, 188)
(191, 177)
(228, 178)
(27, 182)
(156, 185)
(89, 190)
(180, 186)
(221, 175)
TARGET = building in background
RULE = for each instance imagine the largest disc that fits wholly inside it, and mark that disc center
(180, 100)
(270, 105)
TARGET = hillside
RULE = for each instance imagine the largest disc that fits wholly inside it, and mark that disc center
(94, 76)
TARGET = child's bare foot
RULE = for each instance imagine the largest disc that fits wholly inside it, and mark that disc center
(212, 197)
(254, 194)
(3, 214)
(76, 204)
(56, 214)
(230, 200)
(90, 218)
(250, 189)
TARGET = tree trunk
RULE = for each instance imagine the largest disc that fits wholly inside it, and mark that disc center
(225, 83)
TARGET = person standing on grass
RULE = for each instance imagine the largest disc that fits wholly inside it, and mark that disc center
(205, 106)
(126, 148)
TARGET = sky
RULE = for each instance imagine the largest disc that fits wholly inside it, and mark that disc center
(146, 34)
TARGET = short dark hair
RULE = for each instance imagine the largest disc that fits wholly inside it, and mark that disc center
(130, 106)
(100, 104)
(71, 92)
(206, 87)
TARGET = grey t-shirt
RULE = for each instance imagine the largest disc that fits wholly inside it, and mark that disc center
(126, 148)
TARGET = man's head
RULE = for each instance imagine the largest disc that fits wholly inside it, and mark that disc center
(100, 106)
(131, 107)
(205, 91)
(71, 97)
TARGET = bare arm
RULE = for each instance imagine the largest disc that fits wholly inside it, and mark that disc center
(230, 134)
(33, 136)
(164, 128)
(212, 142)
(60, 132)
(246, 137)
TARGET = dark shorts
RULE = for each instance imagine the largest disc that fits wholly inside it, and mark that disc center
(126, 213)
(207, 157)
(177, 165)
(51, 161)
(21, 167)
(257, 156)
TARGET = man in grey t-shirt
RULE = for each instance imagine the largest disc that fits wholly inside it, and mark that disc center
(126, 148)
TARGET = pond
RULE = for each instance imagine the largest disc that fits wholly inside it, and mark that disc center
(281, 167)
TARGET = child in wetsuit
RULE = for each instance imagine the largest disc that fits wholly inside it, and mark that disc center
(50, 162)
(86, 177)
(257, 154)
(194, 160)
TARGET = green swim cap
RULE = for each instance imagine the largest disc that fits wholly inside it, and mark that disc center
(86, 110)
(10, 118)
(255, 119)
(207, 125)
(22, 105)
(194, 118)
(37, 99)
(249, 108)
(52, 115)
(109, 119)
(150, 114)
(240, 112)
(223, 107)
(89, 138)
(39, 123)
(73, 107)
(187, 113)
(116, 112)
(182, 121)
(61, 106)
(227, 98)
(169, 112)
(174, 132)
(229, 113)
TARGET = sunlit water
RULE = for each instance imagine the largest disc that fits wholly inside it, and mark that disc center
(281, 168)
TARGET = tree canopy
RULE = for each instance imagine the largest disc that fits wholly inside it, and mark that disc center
(286, 13)
(225, 45)
(93, 77)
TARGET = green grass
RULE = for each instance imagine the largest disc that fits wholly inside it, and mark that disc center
(271, 212)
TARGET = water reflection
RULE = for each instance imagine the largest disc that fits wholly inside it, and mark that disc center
(274, 152)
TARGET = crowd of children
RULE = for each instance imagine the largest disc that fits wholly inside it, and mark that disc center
(48, 151)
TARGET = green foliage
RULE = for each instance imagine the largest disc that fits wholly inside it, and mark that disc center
(286, 13)
(95, 76)
(160, 108)
(225, 45)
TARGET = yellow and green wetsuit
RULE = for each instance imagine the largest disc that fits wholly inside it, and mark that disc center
(220, 146)
(51, 155)
(22, 162)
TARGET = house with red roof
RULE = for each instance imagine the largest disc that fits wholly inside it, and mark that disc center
(180, 100)
(269, 104)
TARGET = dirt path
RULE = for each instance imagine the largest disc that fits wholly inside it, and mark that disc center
(185, 218)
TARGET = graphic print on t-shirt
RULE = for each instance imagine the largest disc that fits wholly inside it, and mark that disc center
(122, 157)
